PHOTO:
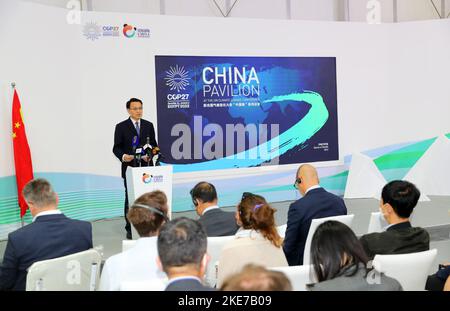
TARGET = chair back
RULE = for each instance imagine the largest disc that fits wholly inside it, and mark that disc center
(75, 272)
(411, 270)
(215, 246)
(282, 230)
(345, 219)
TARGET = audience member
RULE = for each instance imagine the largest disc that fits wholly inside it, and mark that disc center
(50, 235)
(436, 282)
(182, 254)
(147, 214)
(215, 221)
(398, 200)
(257, 241)
(315, 203)
(339, 262)
(257, 278)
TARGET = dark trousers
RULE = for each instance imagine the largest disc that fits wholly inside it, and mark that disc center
(125, 210)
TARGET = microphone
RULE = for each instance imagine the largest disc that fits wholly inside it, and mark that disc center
(137, 151)
(148, 150)
(134, 144)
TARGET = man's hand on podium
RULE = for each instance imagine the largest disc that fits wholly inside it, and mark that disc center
(128, 158)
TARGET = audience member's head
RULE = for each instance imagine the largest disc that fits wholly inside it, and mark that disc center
(334, 249)
(306, 178)
(182, 248)
(203, 196)
(398, 199)
(253, 212)
(148, 213)
(257, 278)
(40, 196)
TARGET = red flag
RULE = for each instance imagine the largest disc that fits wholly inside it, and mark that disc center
(22, 155)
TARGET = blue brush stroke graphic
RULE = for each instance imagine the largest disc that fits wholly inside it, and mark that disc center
(291, 138)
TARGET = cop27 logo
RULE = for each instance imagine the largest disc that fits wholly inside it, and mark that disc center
(146, 178)
(177, 78)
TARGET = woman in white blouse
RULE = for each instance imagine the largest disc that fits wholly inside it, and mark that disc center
(257, 241)
(138, 264)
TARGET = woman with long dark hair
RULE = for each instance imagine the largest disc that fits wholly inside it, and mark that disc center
(340, 263)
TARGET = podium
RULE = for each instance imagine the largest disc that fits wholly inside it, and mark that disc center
(148, 178)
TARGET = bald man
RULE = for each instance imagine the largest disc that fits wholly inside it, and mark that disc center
(316, 202)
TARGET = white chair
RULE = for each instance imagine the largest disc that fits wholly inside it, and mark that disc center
(282, 230)
(215, 246)
(134, 233)
(345, 219)
(299, 276)
(127, 244)
(76, 272)
(411, 270)
(376, 223)
(152, 285)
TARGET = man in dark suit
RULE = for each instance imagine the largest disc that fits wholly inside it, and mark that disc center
(129, 134)
(51, 235)
(398, 200)
(182, 254)
(315, 203)
(215, 221)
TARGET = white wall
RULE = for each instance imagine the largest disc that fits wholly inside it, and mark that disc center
(325, 10)
(392, 88)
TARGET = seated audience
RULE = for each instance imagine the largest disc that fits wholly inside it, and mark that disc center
(339, 262)
(257, 278)
(315, 203)
(215, 221)
(398, 200)
(182, 254)
(50, 235)
(436, 282)
(147, 214)
(257, 241)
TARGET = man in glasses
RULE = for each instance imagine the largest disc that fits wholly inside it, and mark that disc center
(316, 202)
(215, 221)
(128, 136)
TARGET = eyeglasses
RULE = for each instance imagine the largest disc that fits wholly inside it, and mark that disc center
(297, 181)
(136, 109)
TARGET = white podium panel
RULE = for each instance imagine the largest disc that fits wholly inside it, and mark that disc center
(141, 180)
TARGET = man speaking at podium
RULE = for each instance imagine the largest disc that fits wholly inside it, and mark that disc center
(129, 138)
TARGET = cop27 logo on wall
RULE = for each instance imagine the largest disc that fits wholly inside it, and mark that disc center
(177, 79)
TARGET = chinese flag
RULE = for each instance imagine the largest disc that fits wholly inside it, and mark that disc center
(22, 155)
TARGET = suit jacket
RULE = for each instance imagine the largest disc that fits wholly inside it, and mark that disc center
(48, 237)
(397, 239)
(190, 285)
(317, 203)
(219, 223)
(357, 282)
(123, 140)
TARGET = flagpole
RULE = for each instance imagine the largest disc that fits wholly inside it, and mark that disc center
(13, 85)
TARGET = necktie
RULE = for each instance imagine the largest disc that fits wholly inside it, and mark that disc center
(138, 130)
